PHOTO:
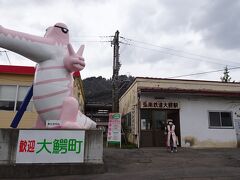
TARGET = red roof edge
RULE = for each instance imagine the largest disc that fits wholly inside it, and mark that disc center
(9, 69)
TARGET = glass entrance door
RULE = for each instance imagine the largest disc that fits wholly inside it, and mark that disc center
(152, 128)
(146, 128)
(159, 123)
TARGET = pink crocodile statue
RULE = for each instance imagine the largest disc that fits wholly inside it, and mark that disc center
(53, 82)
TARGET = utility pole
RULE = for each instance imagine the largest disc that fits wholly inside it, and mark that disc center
(115, 76)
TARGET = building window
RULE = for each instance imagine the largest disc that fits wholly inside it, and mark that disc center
(127, 122)
(220, 120)
(11, 97)
(146, 122)
(7, 97)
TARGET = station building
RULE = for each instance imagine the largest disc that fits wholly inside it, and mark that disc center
(15, 82)
(206, 113)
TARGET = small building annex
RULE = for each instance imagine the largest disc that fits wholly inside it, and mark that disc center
(15, 82)
(206, 113)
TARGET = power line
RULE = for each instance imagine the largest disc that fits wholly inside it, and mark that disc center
(101, 36)
(171, 49)
(200, 73)
(92, 41)
(146, 48)
(127, 40)
(185, 57)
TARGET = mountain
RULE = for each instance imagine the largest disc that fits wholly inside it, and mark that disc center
(99, 89)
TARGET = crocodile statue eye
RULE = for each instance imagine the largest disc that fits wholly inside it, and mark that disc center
(64, 30)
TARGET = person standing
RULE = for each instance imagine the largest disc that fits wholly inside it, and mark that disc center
(171, 136)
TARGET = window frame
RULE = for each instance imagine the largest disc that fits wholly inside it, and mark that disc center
(16, 98)
(220, 115)
(127, 121)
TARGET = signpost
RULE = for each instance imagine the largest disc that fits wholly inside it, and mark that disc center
(114, 129)
(50, 146)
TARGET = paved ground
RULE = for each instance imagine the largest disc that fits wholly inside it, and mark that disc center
(156, 163)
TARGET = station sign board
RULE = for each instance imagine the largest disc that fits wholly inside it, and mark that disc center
(160, 104)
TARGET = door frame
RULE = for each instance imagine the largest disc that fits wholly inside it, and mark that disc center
(237, 130)
(149, 136)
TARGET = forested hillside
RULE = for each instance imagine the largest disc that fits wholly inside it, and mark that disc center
(99, 89)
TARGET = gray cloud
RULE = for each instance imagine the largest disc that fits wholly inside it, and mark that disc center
(161, 17)
(200, 27)
(219, 24)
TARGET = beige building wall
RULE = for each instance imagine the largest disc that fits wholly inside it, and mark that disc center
(128, 103)
(6, 117)
(79, 93)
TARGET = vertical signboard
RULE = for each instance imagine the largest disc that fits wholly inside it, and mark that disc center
(50, 146)
(114, 129)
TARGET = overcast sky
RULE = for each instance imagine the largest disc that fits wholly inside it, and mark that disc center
(161, 38)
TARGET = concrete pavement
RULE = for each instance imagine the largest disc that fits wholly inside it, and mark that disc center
(157, 163)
